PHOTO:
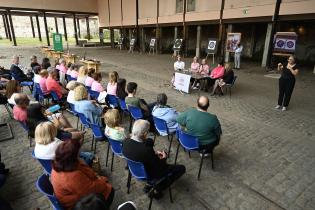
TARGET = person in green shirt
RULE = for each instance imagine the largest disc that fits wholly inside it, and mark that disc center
(201, 124)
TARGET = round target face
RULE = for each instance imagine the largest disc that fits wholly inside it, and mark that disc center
(211, 45)
(290, 44)
(178, 43)
(280, 43)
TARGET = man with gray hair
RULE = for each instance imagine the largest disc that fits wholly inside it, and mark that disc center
(16, 71)
(139, 148)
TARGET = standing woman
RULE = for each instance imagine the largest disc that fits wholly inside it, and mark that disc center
(237, 55)
(286, 82)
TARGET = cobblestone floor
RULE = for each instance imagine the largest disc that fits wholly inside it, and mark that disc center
(266, 158)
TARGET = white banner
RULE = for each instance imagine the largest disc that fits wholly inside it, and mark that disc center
(182, 82)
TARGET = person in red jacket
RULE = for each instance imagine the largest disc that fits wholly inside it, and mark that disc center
(72, 179)
(53, 85)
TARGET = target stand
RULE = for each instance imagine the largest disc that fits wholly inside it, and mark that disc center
(152, 46)
(178, 44)
(212, 56)
(132, 45)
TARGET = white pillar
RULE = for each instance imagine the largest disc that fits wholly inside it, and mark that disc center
(175, 32)
(227, 54)
(267, 42)
(142, 40)
(198, 41)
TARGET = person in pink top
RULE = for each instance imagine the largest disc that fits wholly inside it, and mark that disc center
(53, 85)
(195, 65)
(62, 71)
(19, 110)
(203, 70)
(89, 79)
(112, 84)
(42, 81)
(96, 85)
(74, 71)
(216, 73)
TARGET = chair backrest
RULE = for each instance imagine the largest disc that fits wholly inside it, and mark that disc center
(188, 141)
(135, 112)
(116, 146)
(83, 119)
(137, 169)
(97, 130)
(160, 126)
(233, 82)
(122, 104)
(94, 94)
(44, 186)
(112, 100)
(38, 89)
(46, 164)
(54, 96)
(68, 77)
(72, 109)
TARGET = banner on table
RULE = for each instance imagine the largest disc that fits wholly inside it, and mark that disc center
(182, 82)
(57, 40)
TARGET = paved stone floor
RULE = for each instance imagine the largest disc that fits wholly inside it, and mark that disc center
(266, 159)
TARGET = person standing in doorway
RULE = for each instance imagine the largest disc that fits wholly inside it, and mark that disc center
(286, 82)
(237, 55)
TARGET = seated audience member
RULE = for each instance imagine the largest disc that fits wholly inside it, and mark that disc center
(179, 65)
(89, 108)
(132, 100)
(195, 65)
(71, 86)
(46, 141)
(53, 85)
(13, 88)
(112, 84)
(216, 73)
(34, 62)
(93, 201)
(17, 73)
(162, 111)
(5, 74)
(72, 179)
(46, 63)
(121, 89)
(62, 71)
(113, 129)
(42, 82)
(89, 79)
(82, 75)
(19, 110)
(139, 148)
(74, 71)
(226, 79)
(36, 114)
(201, 124)
(203, 70)
(96, 84)
(36, 71)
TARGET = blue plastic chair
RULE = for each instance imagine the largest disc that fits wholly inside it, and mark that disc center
(116, 147)
(54, 96)
(190, 143)
(88, 89)
(135, 114)
(162, 130)
(122, 105)
(84, 121)
(94, 94)
(112, 101)
(46, 164)
(39, 92)
(98, 135)
(74, 113)
(25, 127)
(137, 170)
(68, 77)
(44, 186)
(228, 87)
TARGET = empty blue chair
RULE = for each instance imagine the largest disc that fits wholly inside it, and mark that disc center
(98, 135)
(46, 164)
(162, 130)
(137, 170)
(112, 101)
(190, 143)
(44, 186)
(116, 147)
(228, 87)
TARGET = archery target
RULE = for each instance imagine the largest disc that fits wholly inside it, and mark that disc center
(152, 42)
(178, 44)
(211, 45)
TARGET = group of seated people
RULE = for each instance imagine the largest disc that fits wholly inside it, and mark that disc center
(215, 79)
(56, 139)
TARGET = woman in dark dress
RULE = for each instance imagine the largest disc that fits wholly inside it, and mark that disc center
(121, 89)
(226, 79)
(286, 82)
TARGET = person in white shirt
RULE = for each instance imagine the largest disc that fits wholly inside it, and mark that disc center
(46, 141)
(179, 65)
(237, 55)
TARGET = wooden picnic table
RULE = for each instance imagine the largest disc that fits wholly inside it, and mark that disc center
(91, 64)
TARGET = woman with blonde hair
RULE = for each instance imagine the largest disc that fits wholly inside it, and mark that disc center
(83, 71)
(71, 86)
(226, 79)
(113, 129)
(112, 84)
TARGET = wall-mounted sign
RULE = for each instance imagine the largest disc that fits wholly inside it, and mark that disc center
(231, 41)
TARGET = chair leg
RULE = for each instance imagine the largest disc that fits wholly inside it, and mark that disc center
(95, 146)
(212, 162)
(203, 154)
(130, 125)
(108, 145)
(170, 191)
(176, 153)
(150, 204)
(128, 182)
(230, 91)
(189, 154)
(92, 143)
(30, 139)
(169, 147)
(111, 166)
(78, 123)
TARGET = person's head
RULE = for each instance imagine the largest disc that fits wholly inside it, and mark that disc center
(43, 73)
(67, 156)
(112, 77)
(22, 100)
(72, 85)
(69, 65)
(195, 59)
(221, 63)
(112, 118)
(93, 201)
(33, 59)
(36, 69)
(36, 112)
(80, 93)
(45, 133)
(132, 88)
(83, 71)
(46, 63)
(203, 103)
(227, 67)
(13, 86)
(91, 71)
(291, 60)
(15, 59)
(203, 61)
(140, 129)
(53, 74)
(161, 99)
(97, 76)
(62, 61)
(179, 58)
(74, 67)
